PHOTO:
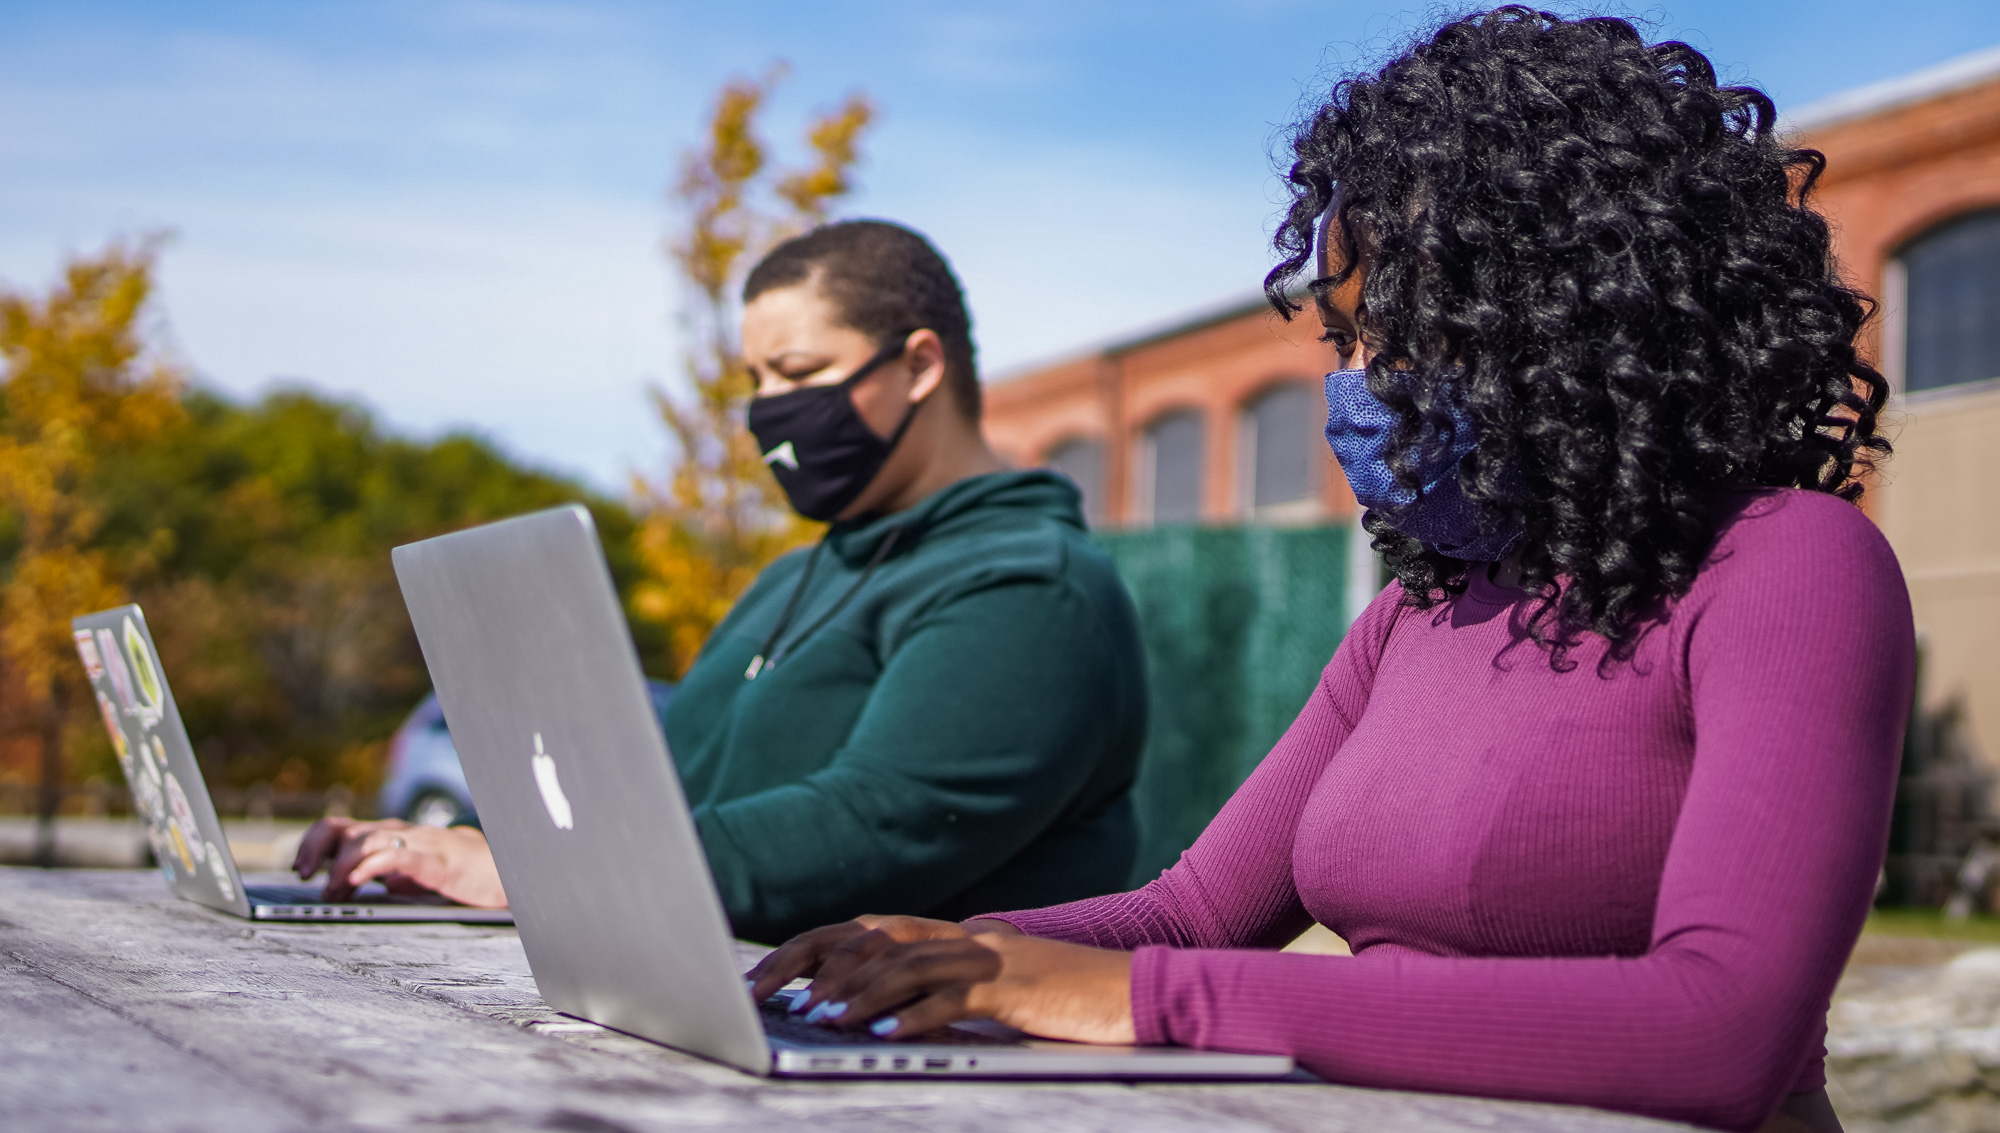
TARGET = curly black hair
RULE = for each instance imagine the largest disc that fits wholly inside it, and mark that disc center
(1609, 264)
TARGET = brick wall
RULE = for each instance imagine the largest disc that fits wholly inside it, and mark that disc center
(1216, 364)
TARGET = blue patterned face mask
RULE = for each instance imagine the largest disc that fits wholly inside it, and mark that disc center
(1439, 516)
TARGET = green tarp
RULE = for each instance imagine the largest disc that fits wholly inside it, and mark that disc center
(1238, 622)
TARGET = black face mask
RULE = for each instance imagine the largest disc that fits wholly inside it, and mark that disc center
(823, 454)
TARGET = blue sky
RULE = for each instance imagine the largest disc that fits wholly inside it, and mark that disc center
(452, 211)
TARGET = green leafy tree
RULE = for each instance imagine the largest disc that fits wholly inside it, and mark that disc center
(257, 536)
(278, 614)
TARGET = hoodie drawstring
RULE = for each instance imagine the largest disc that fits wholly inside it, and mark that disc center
(759, 663)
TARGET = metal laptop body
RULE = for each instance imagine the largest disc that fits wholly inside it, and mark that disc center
(528, 648)
(173, 801)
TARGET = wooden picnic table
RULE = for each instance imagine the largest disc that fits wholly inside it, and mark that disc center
(122, 1008)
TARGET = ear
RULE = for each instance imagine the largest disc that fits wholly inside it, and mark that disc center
(925, 354)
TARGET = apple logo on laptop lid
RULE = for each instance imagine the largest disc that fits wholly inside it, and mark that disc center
(551, 787)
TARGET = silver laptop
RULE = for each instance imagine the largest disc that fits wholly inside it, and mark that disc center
(173, 801)
(535, 667)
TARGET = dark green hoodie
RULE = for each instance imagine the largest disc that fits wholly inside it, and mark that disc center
(958, 737)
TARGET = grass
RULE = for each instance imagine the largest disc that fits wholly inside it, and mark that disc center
(1980, 927)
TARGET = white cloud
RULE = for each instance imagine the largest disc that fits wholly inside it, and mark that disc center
(985, 47)
(534, 320)
(454, 210)
(457, 238)
(1065, 244)
(444, 242)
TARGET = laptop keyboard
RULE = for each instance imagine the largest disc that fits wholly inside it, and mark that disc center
(266, 894)
(284, 894)
(782, 1024)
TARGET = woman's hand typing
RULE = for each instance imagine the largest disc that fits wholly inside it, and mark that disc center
(406, 859)
(903, 976)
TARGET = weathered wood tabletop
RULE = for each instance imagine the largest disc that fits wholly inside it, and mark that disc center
(125, 1009)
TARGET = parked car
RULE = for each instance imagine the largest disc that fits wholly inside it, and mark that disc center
(424, 782)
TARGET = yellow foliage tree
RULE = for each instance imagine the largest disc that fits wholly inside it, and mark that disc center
(718, 518)
(77, 381)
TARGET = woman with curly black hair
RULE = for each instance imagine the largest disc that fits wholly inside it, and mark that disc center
(1598, 789)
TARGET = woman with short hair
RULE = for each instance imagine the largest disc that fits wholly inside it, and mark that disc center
(938, 706)
(1598, 789)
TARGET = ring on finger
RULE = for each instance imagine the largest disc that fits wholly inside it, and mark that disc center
(396, 843)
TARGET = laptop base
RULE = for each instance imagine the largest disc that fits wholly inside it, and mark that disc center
(302, 903)
(985, 1049)
(1031, 1060)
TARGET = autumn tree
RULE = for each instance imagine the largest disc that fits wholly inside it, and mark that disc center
(256, 535)
(78, 382)
(718, 517)
(275, 608)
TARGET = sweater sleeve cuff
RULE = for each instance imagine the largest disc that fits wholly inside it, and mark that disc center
(1057, 922)
(1150, 995)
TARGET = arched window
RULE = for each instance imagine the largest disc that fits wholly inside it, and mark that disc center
(1951, 303)
(1281, 435)
(1170, 469)
(1082, 460)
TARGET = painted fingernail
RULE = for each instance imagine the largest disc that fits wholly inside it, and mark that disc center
(835, 1010)
(817, 1013)
(885, 1026)
(750, 986)
(799, 1003)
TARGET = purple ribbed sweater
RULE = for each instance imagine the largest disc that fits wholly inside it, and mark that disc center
(1631, 887)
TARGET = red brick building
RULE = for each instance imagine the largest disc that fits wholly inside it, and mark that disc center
(1216, 419)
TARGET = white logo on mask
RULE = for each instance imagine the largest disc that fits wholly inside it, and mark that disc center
(784, 455)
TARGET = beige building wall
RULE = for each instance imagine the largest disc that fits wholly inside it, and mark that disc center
(1903, 157)
(1941, 511)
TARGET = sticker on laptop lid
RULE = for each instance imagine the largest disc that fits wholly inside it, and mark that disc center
(114, 666)
(146, 792)
(221, 872)
(177, 803)
(147, 782)
(180, 846)
(118, 742)
(187, 836)
(161, 853)
(152, 697)
(86, 648)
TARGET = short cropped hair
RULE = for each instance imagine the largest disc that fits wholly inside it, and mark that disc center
(883, 280)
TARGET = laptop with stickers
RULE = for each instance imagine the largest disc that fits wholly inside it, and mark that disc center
(173, 801)
(534, 664)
